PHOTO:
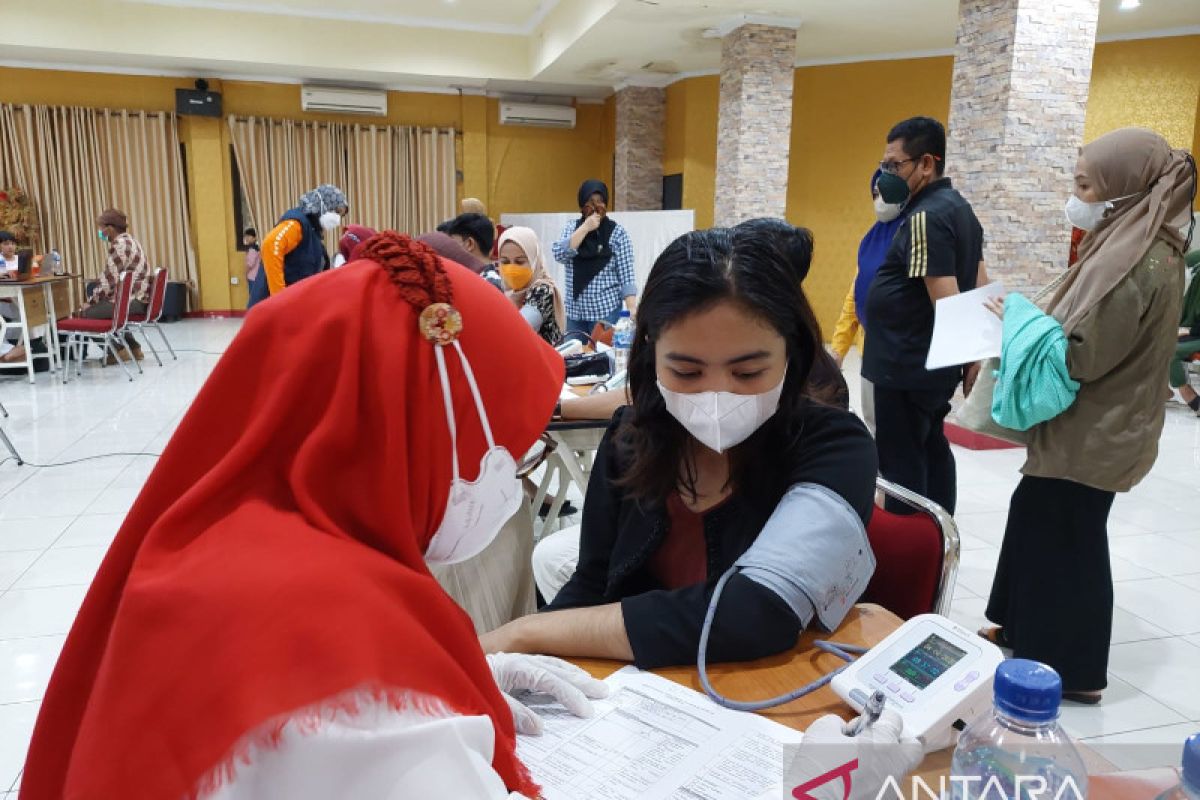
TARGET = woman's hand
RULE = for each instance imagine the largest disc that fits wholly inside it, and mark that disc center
(995, 305)
(517, 674)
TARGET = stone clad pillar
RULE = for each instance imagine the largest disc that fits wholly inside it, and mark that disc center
(638, 172)
(1022, 69)
(754, 128)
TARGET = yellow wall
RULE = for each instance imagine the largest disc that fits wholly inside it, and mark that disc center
(511, 169)
(1153, 83)
(841, 112)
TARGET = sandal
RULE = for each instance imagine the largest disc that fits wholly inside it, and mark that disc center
(996, 636)
(1083, 698)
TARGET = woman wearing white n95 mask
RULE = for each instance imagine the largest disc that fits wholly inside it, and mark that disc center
(264, 627)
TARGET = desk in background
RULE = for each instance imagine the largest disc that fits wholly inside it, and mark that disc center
(39, 301)
(866, 625)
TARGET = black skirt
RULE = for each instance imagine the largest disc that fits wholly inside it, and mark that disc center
(1053, 591)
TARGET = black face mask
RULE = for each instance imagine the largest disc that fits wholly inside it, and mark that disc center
(892, 188)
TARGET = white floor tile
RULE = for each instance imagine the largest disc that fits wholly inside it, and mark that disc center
(13, 565)
(25, 667)
(1129, 627)
(1191, 581)
(91, 530)
(25, 503)
(1158, 553)
(1125, 570)
(1165, 669)
(1144, 749)
(968, 612)
(39, 612)
(114, 501)
(1123, 709)
(16, 726)
(68, 566)
(983, 526)
(1170, 605)
(976, 568)
(31, 534)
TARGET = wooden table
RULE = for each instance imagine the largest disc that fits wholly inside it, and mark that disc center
(865, 625)
(38, 300)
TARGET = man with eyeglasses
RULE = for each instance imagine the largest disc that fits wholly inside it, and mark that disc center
(937, 252)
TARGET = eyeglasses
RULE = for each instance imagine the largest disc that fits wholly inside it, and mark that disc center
(893, 167)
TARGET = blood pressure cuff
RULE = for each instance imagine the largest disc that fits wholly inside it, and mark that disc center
(813, 553)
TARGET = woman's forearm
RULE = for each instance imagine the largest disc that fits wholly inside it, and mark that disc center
(595, 632)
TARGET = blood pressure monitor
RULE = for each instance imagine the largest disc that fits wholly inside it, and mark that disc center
(932, 671)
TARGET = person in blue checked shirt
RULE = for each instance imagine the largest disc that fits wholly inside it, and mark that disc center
(598, 257)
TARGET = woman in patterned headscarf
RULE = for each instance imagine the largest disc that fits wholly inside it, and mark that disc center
(294, 249)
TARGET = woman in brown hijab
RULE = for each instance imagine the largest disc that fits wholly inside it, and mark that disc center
(1052, 597)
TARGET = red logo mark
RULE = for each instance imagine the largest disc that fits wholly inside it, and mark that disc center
(801, 792)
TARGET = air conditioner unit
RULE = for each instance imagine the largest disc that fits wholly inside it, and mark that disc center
(343, 101)
(542, 116)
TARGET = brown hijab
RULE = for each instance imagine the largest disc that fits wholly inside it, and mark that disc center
(1157, 184)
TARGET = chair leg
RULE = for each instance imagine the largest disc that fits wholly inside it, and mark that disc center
(8, 445)
(142, 330)
(161, 333)
(111, 345)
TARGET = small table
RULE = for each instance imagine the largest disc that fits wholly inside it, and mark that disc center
(36, 300)
(866, 625)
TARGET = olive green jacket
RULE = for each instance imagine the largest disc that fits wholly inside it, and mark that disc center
(1119, 352)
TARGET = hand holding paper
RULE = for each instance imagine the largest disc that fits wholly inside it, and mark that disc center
(964, 329)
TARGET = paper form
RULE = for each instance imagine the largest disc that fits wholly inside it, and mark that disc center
(964, 330)
(652, 739)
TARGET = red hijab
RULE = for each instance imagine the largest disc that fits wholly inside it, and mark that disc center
(275, 563)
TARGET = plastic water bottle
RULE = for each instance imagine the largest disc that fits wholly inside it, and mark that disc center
(1017, 750)
(1189, 784)
(55, 263)
(622, 341)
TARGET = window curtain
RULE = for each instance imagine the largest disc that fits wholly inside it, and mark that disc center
(397, 178)
(75, 162)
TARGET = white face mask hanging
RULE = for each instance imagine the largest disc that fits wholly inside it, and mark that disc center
(721, 420)
(476, 510)
(885, 211)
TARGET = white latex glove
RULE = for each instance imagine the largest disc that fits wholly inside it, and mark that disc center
(568, 684)
(881, 751)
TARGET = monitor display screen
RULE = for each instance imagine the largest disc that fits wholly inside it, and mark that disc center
(926, 662)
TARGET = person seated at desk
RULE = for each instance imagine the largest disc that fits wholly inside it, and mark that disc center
(1189, 341)
(8, 309)
(124, 253)
(721, 441)
(529, 286)
(475, 233)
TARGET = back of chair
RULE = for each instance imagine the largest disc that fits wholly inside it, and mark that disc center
(124, 295)
(158, 295)
(916, 556)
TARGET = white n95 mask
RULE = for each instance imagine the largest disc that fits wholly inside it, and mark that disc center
(885, 211)
(1086, 216)
(478, 509)
(721, 420)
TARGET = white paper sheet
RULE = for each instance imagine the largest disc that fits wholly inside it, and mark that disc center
(964, 330)
(653, 739)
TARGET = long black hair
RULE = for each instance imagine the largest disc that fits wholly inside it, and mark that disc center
(695, 272)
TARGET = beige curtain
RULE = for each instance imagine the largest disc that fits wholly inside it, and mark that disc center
(398, 178)
(75, 162)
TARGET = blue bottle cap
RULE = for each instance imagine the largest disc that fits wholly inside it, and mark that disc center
(1191, 762)
(624, 313)
(1027, 690)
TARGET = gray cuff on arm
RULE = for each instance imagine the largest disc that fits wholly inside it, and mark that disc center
(532, 316)
(813, 553)
(629, 290)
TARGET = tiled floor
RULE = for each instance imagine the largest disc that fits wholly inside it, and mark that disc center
(56, 523)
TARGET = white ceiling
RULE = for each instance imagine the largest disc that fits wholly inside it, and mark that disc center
(580, 47)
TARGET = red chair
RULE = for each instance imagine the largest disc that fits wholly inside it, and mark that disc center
(916, 556)
(103, 332)
(158, 294)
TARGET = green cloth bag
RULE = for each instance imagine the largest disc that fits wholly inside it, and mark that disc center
(1032, 383)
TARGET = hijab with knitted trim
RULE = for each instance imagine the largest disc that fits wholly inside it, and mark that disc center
(274, 567)
(1152, 187)
(527, 240)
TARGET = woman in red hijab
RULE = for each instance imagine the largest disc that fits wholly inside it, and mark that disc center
(264, 625)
